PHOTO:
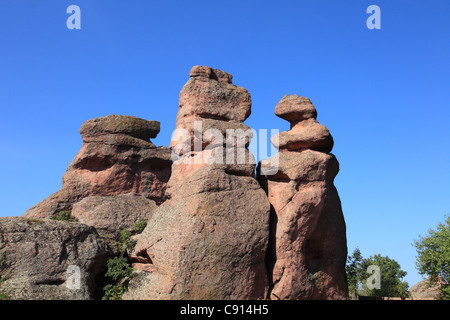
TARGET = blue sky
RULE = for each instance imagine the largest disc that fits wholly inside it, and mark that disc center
(384, 94)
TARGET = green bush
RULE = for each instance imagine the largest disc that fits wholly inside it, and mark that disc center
(64, 216)
(114, 292)
(140, 225)
(125, 243)
(119, 270)
(4, 275)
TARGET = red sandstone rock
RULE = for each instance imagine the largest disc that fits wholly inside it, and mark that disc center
(117, 157)
(110, 214)
(50, 260)
(294, 108)
(307, 247)
(209, 93)
(306, 132)
(425, 290)
(209, 239)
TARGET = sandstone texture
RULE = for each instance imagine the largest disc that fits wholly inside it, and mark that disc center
(424, 290)
(209, 239)
(111, 214)
(214, 230)
(41, 260)
(117, 157)
(307, 247)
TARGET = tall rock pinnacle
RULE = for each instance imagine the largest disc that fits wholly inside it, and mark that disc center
(209, 239)
(307, 247)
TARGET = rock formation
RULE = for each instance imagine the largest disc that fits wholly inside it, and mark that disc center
(117, 157)
(111, 214)
(214, 230)
(426, 290)
(49, 260)
(209, 239)
(307, 247)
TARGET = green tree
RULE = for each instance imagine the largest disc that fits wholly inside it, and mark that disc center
(433, 257)
(359, 274)
(390, 276)
(354, 271)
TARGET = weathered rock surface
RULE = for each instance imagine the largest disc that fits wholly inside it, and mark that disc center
(424, 290)
(307, 247)
(110, 214)
(39, 257)
(210, 93)
(117, 157)
(209, 239)
(213, 230)
(306, 132)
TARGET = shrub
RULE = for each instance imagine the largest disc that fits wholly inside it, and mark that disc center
(125, 243)
(140, 225)
(119, 270)
(4, 275)
(64, 216)
(114, 292)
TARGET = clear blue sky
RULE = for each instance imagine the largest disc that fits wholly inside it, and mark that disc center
(384, 94)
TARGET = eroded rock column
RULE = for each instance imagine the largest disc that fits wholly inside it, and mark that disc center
(307, 249)
(209, 239)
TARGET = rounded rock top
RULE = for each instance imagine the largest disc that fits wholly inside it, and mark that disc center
(118, 124)
(210, 73)
(295, 108)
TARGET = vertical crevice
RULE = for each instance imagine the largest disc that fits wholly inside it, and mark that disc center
(271, 254)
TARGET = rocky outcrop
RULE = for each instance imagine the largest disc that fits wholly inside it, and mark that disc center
(214, 231)
(209, 239)
(117, 157)
(426, 290)
(49, 260)
(307, 248)
(111, 214)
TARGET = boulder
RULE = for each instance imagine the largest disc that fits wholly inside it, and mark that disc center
(49, 260)
(210, 93)
(426, 290)
(295, 108)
